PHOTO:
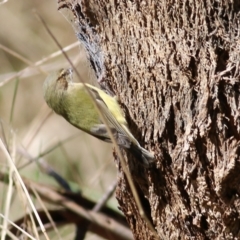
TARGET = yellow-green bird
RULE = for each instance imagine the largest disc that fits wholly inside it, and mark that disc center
(73, 102)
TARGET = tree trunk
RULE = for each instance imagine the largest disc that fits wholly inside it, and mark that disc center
(174, 66)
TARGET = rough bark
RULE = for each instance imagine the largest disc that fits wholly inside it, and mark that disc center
(174, 66)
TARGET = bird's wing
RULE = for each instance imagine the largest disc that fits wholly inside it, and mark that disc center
(117, 129)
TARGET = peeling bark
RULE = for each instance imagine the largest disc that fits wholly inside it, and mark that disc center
(175, 69)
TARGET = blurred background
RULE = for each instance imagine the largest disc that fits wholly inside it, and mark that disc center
(28, 127)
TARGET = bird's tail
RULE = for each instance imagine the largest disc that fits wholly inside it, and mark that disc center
(139, 152)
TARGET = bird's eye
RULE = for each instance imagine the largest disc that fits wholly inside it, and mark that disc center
(64, 73)
(59, 78)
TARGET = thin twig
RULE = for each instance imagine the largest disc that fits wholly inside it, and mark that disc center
(101, 203)
(16, 226)
(22, 184)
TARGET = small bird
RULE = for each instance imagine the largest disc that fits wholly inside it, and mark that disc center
(74, 102)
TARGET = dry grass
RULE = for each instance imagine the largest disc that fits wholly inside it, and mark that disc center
(26, 120)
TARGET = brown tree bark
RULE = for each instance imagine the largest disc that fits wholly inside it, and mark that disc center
(174, 66)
